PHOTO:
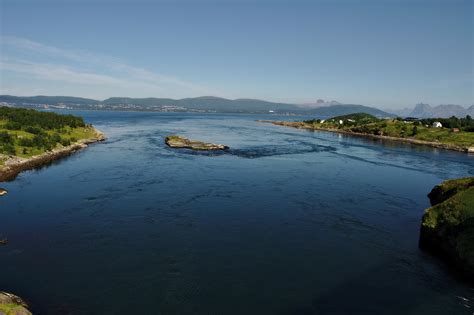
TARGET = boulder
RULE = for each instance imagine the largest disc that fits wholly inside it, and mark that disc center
(3, 191)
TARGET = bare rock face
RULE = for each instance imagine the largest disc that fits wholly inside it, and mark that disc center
(181, 142)
(11, 304)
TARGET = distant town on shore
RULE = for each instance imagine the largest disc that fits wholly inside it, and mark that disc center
(210, 104)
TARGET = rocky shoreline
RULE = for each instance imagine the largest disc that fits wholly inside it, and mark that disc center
(15, 165)
(11, 304)
(302, 125)
(447, 228)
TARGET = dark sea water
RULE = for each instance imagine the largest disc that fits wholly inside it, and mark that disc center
(288, 222)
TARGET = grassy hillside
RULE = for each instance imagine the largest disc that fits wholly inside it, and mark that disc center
(418, 130)
(206, 103)
(457, 205)
(50, 100)
(246, 105)
(26, 132)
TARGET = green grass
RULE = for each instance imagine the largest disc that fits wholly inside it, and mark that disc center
(452, 219)
(8, 308)
(68, 133)
(456, 210)
(444, 135)
(456, 184)
(398, 129)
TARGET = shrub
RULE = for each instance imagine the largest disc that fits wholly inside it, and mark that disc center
(65, 142)
(34, 130)
(5, 138)
(8, 148)
(25, 142)
(12, 125)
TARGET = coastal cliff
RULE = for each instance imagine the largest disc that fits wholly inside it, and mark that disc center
(13, 165)
(447, 228)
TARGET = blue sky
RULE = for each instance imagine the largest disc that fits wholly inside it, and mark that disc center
(380, 53)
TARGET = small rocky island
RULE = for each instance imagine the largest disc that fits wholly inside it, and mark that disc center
(3, 191)
(11, 304)
(182, 142)
(447, 228)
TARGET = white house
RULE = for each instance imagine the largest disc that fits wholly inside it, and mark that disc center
(437, 124)
(340, 122)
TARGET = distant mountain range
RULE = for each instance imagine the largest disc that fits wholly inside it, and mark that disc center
(199, 104)
(441, 111)
(320, 103)
(50, 100)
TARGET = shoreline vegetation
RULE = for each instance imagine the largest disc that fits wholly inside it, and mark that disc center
(419, 132)
(31, 139)
(447, 227)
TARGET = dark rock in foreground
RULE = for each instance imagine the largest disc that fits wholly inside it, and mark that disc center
(11, 304)
(181, 142)
(447, 228)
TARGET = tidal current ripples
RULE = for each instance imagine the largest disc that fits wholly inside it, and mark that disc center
(287, 221)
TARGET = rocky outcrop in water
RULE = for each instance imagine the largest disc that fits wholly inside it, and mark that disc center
(11, 304)
(447, 228)
(3, 192)
(182, 142)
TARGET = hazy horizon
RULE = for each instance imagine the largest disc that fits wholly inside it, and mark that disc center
(389, 55)
(308, 104)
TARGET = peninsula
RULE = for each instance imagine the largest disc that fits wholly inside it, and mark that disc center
(452, 133)
(29, 138)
